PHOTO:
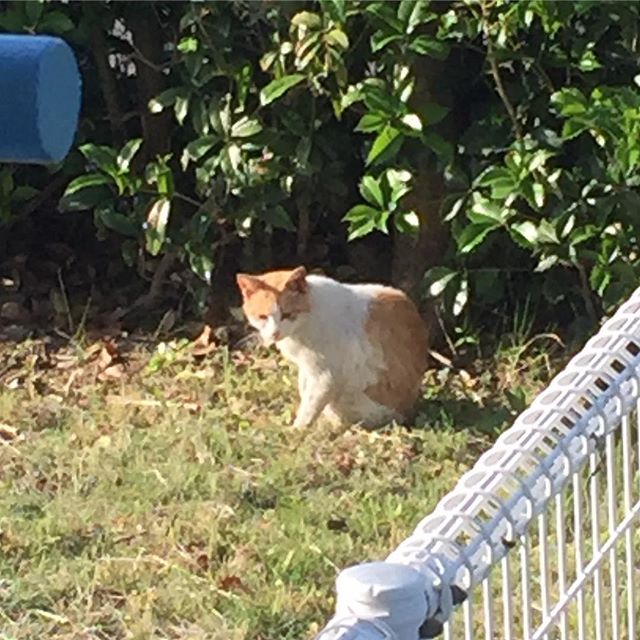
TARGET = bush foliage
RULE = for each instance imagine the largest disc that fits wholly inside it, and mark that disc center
(495, 142)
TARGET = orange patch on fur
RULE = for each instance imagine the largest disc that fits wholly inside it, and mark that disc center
(395, 326)
(286, 289)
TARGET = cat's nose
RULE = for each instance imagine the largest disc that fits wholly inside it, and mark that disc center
(276, 336)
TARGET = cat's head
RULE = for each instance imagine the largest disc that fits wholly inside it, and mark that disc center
(275, 302)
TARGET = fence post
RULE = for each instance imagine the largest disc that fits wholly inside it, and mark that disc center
(388, 599)
(513, 484)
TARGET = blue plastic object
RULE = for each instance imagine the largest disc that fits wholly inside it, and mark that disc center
(39, 99)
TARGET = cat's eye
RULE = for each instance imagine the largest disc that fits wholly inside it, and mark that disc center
(287, 316)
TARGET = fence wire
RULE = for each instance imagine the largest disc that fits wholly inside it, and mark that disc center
(539, 540)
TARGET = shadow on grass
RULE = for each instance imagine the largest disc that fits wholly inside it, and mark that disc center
(463, 414)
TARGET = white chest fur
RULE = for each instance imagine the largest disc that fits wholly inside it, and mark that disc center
(333, 334)
(332, 349)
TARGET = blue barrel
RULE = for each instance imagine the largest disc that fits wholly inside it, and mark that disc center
(39, 99)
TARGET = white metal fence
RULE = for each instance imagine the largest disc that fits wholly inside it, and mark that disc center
(539, 540)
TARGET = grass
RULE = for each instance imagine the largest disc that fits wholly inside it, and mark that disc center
(171, 499)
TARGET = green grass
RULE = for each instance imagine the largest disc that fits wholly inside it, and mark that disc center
(177, 502)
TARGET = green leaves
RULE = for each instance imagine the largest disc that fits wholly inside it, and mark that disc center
(93, 189)
(437, 279)
(412, 121)
(85, 198)
(105, 214)
(428, 46)
(86, 181)
(159, 173)
(383, 195)
(200, 262)
(387, 142)
(530, 189)
(55, 22)
(371, 191)
(165, 99)
(277, 88)
(413, 13)
(337, 39)
(570, 102)
(449, 284)
(371, 122)
(362, 220)
(398, 26)
(485, 212)
(589, 62)
(127, 153)
(156, 225)
(277, 217)
(103, 157)
(197, 149)
(188, 45)
(245, 127)
(307, 19)
(474, 234)
(336, 9)
(525, 233)
(500, 180)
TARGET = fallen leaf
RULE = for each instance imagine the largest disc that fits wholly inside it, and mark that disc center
(202, 560)
(7, 432)
(232, 583)
(345, 462)
(114, 372)
(110, 363)
(108, 353)
(65, 361)
(467, 379)
(205, 343)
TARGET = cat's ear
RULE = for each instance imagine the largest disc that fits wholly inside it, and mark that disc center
(298, 280)
(247, 284)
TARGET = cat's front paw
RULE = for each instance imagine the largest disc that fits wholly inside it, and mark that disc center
(300, 423)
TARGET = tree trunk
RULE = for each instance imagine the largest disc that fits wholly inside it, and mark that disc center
(413, 255)
(149, 40)
(108, 84)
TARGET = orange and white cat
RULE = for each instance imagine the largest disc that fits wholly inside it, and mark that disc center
(360, 349)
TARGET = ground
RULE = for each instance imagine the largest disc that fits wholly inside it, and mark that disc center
(157, 490)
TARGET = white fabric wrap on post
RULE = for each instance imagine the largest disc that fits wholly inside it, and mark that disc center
(386, 599)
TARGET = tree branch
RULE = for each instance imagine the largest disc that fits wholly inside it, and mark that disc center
(495, 72)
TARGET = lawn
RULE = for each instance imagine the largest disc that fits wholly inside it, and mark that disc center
(157, 490)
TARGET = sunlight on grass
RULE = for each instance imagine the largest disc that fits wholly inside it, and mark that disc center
(178, 502)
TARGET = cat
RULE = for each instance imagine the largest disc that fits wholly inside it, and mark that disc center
(360, 349)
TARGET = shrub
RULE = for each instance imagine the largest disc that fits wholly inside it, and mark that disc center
(496, 142)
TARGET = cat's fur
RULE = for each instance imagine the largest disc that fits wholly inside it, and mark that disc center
(360, 349)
